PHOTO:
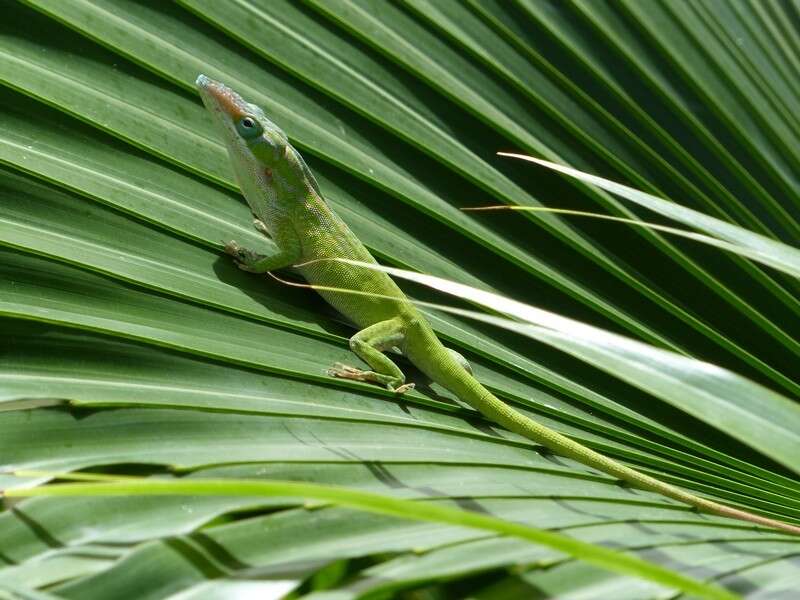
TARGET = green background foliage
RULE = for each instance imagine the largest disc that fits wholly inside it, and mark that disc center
(130, 345)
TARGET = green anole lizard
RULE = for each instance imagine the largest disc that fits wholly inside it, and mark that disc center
(289, 208)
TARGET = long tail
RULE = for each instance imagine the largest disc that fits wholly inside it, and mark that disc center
(446, 371)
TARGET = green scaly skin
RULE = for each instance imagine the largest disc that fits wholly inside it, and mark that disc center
(288, 207)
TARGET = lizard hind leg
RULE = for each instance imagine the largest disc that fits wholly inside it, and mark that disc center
(369, 344)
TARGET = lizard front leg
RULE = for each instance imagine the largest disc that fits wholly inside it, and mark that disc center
(287, 253)
(253, 262)
(369, 344)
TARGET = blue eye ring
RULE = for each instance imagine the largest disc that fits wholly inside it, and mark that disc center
(248, 127)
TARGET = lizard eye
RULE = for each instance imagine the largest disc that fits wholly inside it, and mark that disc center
(248, 127)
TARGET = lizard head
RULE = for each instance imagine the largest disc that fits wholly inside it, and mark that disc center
(247, 130)
(269, 171)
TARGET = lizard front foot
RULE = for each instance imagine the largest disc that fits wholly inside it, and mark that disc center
(242, 257)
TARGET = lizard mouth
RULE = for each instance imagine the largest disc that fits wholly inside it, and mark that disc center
(219, 97)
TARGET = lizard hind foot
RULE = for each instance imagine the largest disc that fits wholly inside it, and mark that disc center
(406, 387)
(347, 372)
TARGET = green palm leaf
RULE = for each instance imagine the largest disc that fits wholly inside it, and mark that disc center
(132, 346)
